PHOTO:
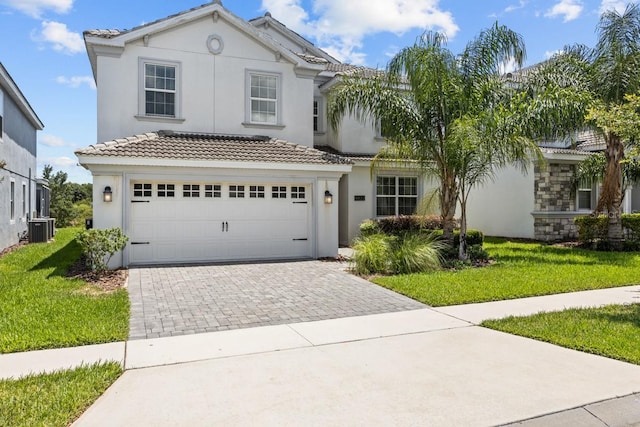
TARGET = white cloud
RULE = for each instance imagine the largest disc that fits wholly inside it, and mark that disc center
(617, 5)
(58, 162)
(551, 53)
(60, 37)
(76, 81)
(512, 8)
(51, 140)
(340, 25)
(35, 8)
(569, 9)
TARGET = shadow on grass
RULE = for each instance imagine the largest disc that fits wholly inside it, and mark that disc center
(627, 314)
(61, 259)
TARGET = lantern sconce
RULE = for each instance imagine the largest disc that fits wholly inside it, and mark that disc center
(328, 197)
(107, 194)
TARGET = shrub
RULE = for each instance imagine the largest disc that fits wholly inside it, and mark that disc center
(371, 254)
(398, 225)
(99, 245)
(417, 253)
(593, 229)
(369, 227)
(474, 237)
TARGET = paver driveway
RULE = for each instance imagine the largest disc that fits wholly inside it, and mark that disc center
(179, 300)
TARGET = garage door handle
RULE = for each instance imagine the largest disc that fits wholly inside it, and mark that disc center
(300, 240)
(299, 203)
(139, 201)
(226, 226)
(140, 243)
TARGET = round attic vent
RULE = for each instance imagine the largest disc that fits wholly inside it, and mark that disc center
(215, 44)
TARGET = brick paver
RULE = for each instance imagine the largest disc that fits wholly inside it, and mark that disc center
(179, 300)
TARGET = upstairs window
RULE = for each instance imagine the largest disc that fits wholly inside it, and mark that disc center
(159, 87)
(24, 200)
(12, 201)
(263, 98)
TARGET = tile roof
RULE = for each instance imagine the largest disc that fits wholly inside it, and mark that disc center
(212, 147)
(564, 151)
(356, 157)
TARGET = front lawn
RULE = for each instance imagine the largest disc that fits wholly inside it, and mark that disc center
(520, 270)
(55, 399)
(612, 331)
(42, 308)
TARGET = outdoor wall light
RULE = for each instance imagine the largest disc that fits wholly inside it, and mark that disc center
(328, 197)
(107, 194)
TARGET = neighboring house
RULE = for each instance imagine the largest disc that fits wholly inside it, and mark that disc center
(542, 203)
(207, 125)
(18, 142)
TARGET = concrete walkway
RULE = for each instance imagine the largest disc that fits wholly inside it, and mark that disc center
(418, 367)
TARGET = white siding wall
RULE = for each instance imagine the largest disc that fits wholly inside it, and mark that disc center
(211, 89)
(503, 207)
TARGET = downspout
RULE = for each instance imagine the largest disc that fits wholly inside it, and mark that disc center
(29, 211)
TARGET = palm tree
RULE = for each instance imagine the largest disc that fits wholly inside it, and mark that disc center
(603, 76)
(430, 101)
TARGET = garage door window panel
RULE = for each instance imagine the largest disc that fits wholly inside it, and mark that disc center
(142, 190)
(236, 191)
(166, 190)
(256, 191)
(191, 190)
(278, 192)
(213, 191)
(298, 193)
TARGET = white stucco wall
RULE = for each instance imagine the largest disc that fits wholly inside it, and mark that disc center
(211, 89)
(503, 207)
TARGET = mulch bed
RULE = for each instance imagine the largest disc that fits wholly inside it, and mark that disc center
(109, 281)
(13, 248)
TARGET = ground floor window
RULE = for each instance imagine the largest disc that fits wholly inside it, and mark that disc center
(396, 195)
(585, 195)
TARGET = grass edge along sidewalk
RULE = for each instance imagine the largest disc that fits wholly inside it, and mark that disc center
(520, 270)
(42, 308)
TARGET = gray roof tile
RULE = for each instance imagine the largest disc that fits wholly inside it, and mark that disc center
(212, 147)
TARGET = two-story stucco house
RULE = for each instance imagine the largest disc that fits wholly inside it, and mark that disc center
(18, 144)
(207, 125)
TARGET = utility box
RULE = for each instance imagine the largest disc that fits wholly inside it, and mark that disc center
(38, 231)
(88, 223)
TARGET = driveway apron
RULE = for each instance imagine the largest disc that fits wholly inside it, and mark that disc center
(179, 300)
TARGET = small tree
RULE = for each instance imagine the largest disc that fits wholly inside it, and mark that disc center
(99, 245)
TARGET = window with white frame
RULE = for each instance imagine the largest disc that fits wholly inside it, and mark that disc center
(278, 192)
(256, 191)
(236, 191)
(166, 190)
(24, 200)
(585, 195)
(213, 191)
(396, 195)
(190, 190)
(160, 83)
(298, 193)
(318, 123)
(142, 190)
(1, 114)
(12, 200)
(263, 98)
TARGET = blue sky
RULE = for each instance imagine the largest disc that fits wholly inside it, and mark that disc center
(43, 50)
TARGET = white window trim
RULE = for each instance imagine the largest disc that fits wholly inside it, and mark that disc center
(142, 112)
(321, 114)
(24, 201)
(593, 194)
(12, 201)
(279, 100)
(397, 196)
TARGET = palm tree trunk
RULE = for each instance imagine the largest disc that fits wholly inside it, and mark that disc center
(610, 199)
(462, 252)
(448, 201)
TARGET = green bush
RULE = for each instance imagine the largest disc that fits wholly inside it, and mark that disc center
(474, 237)
(416, 253)
(398, 225)
(372, 254)
(593, 229)
(99, 245)
(369, 227)
(409, 253)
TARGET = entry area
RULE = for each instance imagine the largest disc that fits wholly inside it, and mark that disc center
(179, 300)
(187, 222)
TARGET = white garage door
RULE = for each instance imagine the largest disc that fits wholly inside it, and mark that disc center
(210, 221)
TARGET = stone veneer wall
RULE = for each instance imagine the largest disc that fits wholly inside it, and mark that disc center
(555, 202)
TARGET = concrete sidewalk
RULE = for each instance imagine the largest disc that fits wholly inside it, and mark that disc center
(419, 367)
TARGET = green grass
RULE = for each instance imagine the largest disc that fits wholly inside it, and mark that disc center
(55, 399)
(521, 270)
(612, 331)
(41, 308)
